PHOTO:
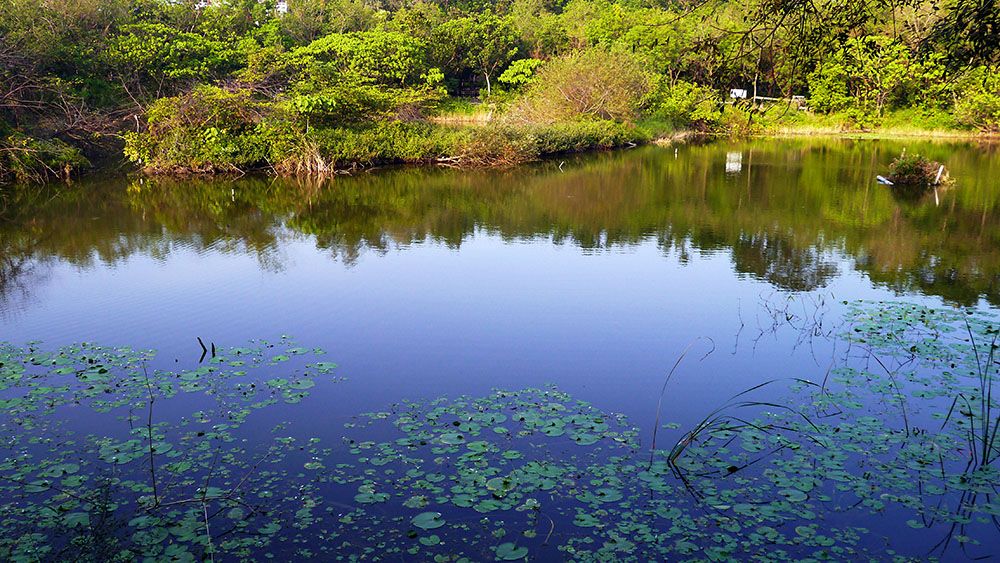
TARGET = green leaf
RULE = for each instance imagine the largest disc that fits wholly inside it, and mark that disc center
(510, 552)
(427, 520)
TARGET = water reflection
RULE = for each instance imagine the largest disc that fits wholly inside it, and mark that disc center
(19, 272)
(783, 211)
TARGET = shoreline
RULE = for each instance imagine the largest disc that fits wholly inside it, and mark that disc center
(636, 135)
(930, 135)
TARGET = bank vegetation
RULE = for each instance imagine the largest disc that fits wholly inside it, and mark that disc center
(320, 86)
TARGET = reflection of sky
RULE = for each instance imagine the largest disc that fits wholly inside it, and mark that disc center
(605, 326)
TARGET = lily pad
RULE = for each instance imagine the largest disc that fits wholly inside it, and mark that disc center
(427, 520)
(510, 552)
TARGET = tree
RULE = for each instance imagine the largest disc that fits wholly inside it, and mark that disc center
(864, 75)
(386, 57)
(483, 43)
(969, 32)
(149, 57)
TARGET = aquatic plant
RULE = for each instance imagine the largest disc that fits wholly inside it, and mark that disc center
(176, 471)
(110, 457)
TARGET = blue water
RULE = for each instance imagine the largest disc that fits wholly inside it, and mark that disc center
(420, 306)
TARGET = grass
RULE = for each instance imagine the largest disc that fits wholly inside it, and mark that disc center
(462, 111)
(910, 122)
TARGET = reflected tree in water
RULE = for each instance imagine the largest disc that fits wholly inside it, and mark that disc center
(779, 218)
(783, 265)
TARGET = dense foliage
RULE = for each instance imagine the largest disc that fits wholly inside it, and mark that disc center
(238, 84)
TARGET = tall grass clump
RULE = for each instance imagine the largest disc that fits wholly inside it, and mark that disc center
(508, 145)
(584, 135)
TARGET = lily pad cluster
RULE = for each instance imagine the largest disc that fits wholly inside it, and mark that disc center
(109, 458)
(547, 477)
(900, 432)
(887, 457)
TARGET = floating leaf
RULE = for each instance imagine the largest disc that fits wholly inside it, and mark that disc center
(510, 552)
(429, 541)
(428, 520)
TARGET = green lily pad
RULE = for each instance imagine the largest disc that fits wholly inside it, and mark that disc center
(510, 552)
(429, 541)
(427, 520)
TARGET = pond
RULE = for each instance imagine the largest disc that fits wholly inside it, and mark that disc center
(711, 352)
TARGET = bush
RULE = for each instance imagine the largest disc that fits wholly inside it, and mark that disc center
(520, 73)
(325, 150)
(512, 82)
(384, 142)
(592, 84)
(496, 145)
(506, 145)
(386, 57)
(152, 55)
(25, 159)
(913, 175)
(205, 130)
(913, 169)
(345, 103)
(214, 130)
(684, 104)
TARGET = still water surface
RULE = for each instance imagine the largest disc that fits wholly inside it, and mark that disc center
(592, 274)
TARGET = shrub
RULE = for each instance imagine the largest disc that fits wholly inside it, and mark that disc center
(913, 169)
(385, 57)
(496, 145)
(512, 82)
(580, 136)
(506, 145)
(152, 54)
(28, 159)
(741, 119)
(592, 84)
(384, 142)
(913, 175)
(205, 130)
(325, 150)
(684, 104)
(343, 103)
